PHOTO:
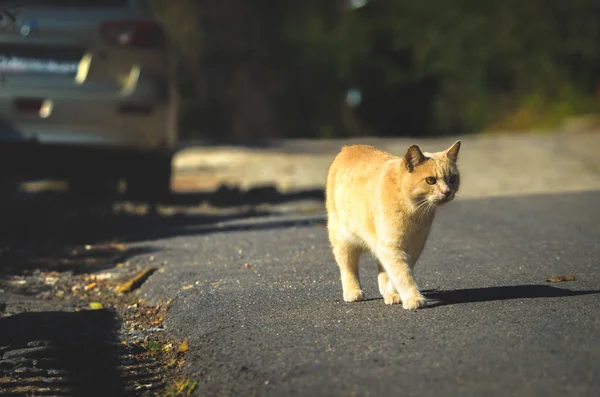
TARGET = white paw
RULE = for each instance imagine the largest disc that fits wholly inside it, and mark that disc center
(414, 302)
(354, 296)
(391, 299)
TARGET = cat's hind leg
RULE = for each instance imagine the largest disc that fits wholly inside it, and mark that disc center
(347, 257)
(382, 278)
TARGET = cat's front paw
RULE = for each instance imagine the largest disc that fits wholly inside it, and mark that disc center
(354, 296)
(391, 299)
(414, 302)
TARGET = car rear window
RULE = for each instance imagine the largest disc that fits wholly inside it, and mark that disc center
(66, 3)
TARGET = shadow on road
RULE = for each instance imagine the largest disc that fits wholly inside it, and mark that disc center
(65, 258)
(65, 354)
(232, 196)
(489, 294)
(188, 227)
(66, 233)
(41, 222)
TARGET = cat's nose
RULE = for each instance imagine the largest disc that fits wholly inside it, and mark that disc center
(446, 192)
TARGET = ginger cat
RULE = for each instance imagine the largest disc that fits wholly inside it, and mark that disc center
(386, 204)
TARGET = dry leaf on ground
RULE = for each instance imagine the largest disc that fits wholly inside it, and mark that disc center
(90, 286)
(136, 281)
(559, 278)
(118, 246)
(183, 347)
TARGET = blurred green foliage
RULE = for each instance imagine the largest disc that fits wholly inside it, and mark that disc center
(262, 68)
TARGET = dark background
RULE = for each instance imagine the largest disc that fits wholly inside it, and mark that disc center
(264, 68)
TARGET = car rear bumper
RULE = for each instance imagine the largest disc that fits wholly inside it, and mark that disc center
(127, 122)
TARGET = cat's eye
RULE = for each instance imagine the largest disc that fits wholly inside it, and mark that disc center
(430, 180)
(452, 179)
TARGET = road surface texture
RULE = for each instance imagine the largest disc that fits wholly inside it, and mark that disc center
(260, 302)
(256, 292)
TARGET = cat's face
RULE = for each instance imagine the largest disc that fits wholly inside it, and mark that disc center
(432, 178)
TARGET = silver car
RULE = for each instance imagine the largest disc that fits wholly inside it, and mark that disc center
(83, 79)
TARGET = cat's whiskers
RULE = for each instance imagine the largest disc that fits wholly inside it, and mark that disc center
(420, 205)
(423, 208)
(430, 208)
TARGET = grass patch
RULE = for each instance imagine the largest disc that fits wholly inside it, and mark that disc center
(182, 387)
(154, 346)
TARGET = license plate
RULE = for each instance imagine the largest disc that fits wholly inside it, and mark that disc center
(16, 64)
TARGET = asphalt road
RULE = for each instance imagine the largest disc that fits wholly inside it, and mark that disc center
(278, 326)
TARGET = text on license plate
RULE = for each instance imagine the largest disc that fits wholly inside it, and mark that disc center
(15, 64)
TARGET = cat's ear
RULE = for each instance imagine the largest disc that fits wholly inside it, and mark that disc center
(413, 157)
(452, 151)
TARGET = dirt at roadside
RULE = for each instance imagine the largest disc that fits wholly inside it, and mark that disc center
(70, 323)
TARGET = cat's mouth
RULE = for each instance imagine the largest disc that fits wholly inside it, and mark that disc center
(444, 199)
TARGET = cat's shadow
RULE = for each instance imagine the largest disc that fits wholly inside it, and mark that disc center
(437, 298)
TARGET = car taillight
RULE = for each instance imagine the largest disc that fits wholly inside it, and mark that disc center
(28, 105)
(133, 32)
